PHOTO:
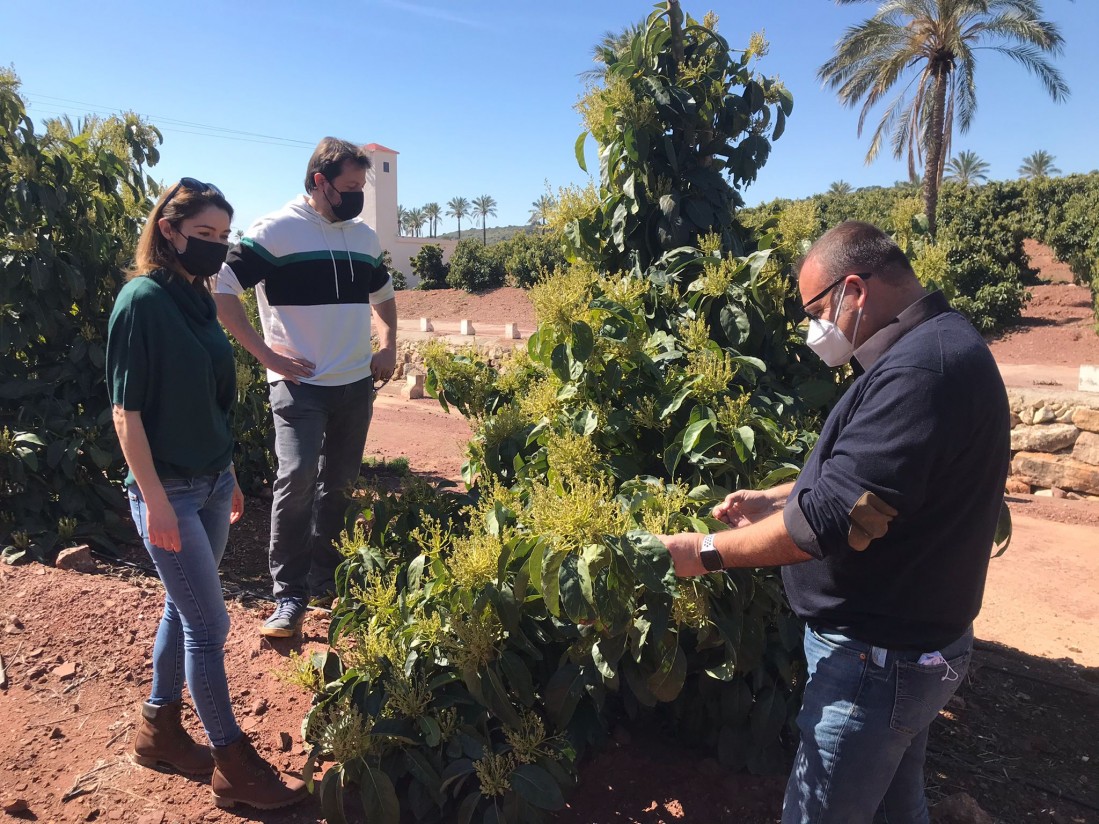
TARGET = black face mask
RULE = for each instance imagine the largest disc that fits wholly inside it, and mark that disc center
(202, 258)
(351, 205)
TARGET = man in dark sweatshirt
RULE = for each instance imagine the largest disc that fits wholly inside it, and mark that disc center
(885, 537)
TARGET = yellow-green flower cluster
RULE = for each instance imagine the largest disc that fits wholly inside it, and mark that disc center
(665, 501)
(605, 108)
(573, 457)
(694, 334)
(715, 369)
(528, 738)
(691, 607)
(572, 518)
(474, 558)
(734, 412)
(494, 772)
(563, 298)
(409, 695)
(300, 672)
(572, 203)
(472, 642)
(541, 401)
(344, 732)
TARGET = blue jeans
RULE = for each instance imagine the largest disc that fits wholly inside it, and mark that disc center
(320, 433)
(864, 722)
(191, 638)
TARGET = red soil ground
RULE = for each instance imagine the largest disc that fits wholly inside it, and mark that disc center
(1021, 738)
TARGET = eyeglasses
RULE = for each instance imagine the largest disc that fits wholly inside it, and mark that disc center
(193, 185)
(829, 288)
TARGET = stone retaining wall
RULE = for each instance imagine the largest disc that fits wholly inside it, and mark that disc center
(1054, 443)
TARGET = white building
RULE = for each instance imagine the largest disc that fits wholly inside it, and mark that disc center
(380, 211)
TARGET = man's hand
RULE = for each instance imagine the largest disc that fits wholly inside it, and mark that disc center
(745, 506)
(383, 362)
(291, 368)
(684, 549)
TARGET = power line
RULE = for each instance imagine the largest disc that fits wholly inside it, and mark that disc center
(204, 129)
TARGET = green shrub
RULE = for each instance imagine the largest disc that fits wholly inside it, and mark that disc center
(481, 641)
(531, 257)
(253, 452)
(475, 267)
(71, 203)
(428, 266)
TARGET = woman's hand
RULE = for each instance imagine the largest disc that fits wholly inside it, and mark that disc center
(161, 524)
(236, 508)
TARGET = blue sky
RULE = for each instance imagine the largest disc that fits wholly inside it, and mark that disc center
(477, 97)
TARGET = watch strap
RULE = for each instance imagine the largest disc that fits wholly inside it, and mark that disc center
(709, 556)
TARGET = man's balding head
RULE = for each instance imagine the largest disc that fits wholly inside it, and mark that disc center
(854, 247)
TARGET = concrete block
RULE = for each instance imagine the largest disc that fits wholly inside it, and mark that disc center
(511, 330)
(467, 328)
(1089, 378)
(425, 325)
(413, 388)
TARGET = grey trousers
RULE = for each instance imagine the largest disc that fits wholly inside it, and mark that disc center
(320, 433)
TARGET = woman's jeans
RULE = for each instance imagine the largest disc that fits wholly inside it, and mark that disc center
(864, 721)
(191, 638)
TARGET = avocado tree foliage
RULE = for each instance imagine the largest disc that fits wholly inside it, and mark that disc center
(482, 640)
(71, 202)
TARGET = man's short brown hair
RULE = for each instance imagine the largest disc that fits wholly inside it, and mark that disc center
(853, 247)
(328, 159)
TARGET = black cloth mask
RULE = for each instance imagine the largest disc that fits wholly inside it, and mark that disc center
(351, 205)
(202, 258)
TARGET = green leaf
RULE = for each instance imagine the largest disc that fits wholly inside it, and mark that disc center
(455, 773)
(496, 698)
(767, 716)
(379, 797)
(579, 150)
(693, 433)
(650, 561)
(573, 599)
(583, 341)
(563, 693)
(551, 580)
(1002, 539)
(331, 796)
(537, 787)
(561, 363)
(667, 681)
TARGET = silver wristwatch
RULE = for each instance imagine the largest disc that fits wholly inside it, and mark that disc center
(710, 557)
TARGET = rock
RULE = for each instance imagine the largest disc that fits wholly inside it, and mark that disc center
(1086, 419)
(960, 808)
(286, 742)
(1056, 470)
(260, 707)
(1046, 438)
(152, 818)
(1043, 415)
(76, 559)
(15, 806)
(1087, 448)
(1017, 486)
(65, 671)
(56, 734)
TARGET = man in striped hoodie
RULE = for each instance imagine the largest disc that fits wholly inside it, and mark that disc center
(318, 274)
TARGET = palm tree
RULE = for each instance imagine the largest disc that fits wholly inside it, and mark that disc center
(966, 168)
(416, 219)
(539, 209)
(458, 207)
(432, 211)
(484, 206)
(939, 39)
(402, 219)
(1038, 165)
(611, 46)
(840, 187)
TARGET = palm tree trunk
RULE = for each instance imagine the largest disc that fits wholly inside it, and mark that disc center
(933, 170)
(459, 227)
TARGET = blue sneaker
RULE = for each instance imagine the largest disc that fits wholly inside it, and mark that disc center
(286, 620)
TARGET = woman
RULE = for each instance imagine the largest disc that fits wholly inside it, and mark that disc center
(172, 382)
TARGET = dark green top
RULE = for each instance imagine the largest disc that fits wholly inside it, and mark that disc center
(168, 358)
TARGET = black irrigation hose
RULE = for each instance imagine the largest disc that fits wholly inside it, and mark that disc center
(149, 569)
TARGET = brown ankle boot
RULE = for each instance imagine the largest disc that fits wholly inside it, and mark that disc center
(161, 740)
(242, 776)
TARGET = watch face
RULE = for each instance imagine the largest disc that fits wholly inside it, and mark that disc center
(711, 559)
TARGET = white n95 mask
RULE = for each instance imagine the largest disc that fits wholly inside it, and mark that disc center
(828, 342)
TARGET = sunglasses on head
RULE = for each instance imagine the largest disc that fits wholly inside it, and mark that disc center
(827, 289)
(193, 185)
